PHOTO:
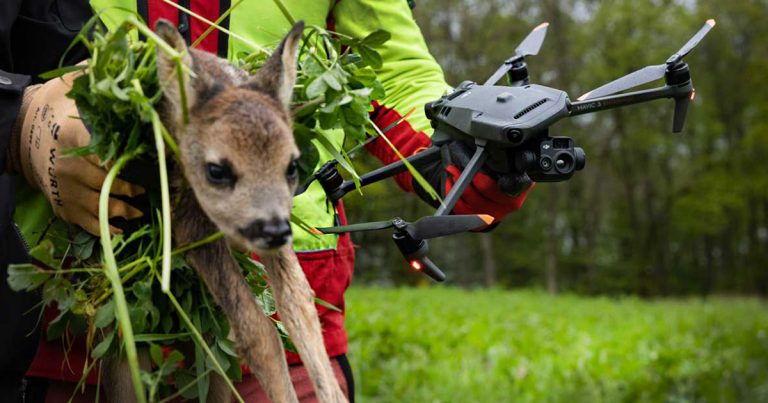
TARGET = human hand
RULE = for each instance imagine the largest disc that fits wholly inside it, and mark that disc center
(47, 126)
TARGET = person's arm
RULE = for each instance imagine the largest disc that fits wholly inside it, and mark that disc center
(35, 134)
(412, 78)
(410, 75)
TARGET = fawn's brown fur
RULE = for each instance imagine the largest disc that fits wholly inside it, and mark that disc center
(240, 127)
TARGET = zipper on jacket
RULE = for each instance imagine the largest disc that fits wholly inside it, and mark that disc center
(21, 236)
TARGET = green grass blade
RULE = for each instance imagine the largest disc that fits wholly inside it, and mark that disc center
(110, 270)
(165, 283)
(416, 175)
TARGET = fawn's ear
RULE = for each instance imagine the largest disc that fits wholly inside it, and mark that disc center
(278, 75)
(167, 71)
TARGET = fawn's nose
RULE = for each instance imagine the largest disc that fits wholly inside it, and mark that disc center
(274, 232)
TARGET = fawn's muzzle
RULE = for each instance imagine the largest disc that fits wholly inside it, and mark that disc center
(275, 232)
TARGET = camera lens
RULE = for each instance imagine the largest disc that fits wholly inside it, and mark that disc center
(545, 163)
(564, 163)
(525, 160)
(514, 136)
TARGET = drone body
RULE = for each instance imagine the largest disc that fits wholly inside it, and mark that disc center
(509, 119)
(508, 126)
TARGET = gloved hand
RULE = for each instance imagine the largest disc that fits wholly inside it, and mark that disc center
(46, 126)
(488, 193)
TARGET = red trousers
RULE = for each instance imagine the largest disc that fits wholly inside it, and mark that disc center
(249, 388)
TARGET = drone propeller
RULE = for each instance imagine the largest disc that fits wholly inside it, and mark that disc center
(650, 73)
(424, 228)
(366, 226)
(532, 43)
(528, 47)
(410, 238)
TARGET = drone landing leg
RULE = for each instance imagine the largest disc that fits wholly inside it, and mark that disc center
(474, 165)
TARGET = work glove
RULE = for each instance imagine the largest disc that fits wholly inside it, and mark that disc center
(48, 124)
(489, 193)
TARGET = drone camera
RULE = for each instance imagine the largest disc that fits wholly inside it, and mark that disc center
(552, 159)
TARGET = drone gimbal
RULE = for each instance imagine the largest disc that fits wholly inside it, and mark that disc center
(509, 128)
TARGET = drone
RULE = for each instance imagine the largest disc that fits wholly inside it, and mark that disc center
(509, 129)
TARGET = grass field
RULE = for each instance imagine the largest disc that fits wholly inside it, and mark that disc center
(450, 345)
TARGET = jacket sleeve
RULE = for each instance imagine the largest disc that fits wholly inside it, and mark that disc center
(11, 85)
(33, 36)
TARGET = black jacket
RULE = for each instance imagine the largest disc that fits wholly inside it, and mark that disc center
(33, 36)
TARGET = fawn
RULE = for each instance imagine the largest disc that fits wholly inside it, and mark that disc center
(239, 173)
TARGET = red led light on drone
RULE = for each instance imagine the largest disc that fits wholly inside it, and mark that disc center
(416, 264)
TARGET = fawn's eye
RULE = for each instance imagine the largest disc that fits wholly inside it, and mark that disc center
(220, 174)
(292, 173)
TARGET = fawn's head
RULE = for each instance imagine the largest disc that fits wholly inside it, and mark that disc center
(237, 146)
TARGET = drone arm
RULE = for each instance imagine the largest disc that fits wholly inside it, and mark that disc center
(620, 100)
(417, 160)
(469, 172)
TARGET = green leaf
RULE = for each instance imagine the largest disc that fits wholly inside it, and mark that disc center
(366, 75)
(327, 305)
(316, 88)
(377, 38)
(309, 156)
(267, 303)
(138, 318)
(326, 143)
(143, 289)
(202, 381)
(227, 346)
(378, 90)
(175, 356)
(351, 58)
(26, 277)
(82, 245)
(222, 359)
(59, 290)
(371, 57)
(76, 324)
(329, 120)
(61, 71)
(355, 132)
(105, 315)
(43, 253)
(183, 378)
(156, 352)
(103, 346)
(355, 113)
(332, 80)
(58, 325)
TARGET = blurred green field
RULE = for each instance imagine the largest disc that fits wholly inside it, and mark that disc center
(451, 345)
